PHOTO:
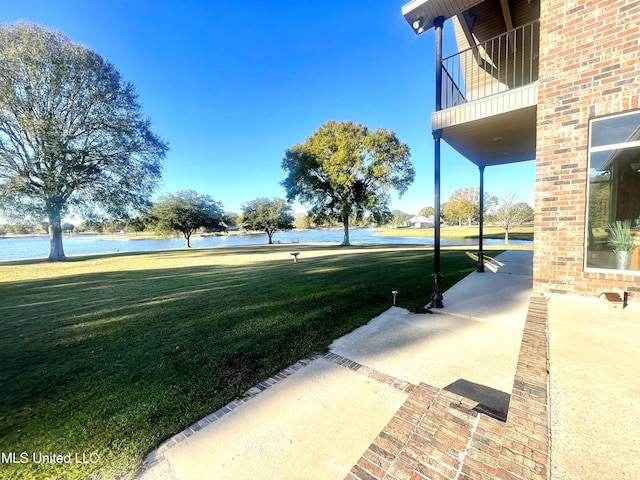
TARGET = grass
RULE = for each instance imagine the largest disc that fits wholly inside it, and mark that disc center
(452, 232)
(113, 354)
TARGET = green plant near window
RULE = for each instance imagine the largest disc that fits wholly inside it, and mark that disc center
(621, 239)
(620, 236)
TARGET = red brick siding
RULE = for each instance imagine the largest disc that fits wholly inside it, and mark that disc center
(589, 57)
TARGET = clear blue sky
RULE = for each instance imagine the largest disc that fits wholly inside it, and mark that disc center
(232, 85)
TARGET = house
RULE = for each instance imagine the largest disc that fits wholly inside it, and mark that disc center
(420, 221)
(555, 81)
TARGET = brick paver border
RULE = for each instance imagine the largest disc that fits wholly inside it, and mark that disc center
(439, 435)
(155, 465)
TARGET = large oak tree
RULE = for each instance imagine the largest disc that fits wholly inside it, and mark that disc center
(345, 170)
(72, 134)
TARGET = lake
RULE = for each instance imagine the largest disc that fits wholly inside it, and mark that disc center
(13, 248)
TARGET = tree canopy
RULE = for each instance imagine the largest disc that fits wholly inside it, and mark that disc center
(399, 218)
(427, 212)
(185, 212)
(344, 169)
(464, 205)
(267, 215)
(72, 134)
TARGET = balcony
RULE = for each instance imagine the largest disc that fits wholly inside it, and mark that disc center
(489, 97)
(503, 63)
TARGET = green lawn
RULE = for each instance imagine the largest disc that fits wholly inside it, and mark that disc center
(452, 232)
(113, 354)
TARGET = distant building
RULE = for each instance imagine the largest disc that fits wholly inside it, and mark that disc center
(421, 222)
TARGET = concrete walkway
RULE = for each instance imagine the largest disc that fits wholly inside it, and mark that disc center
(314, 420)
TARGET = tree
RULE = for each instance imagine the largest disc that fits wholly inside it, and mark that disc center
(268, 215)
(72, 135)
(185, 212)
(399, 218)
(511, 213)
(302, 221)
(600, 199)
(460, 207)
(135, 225)
(427, 212)
(345, 169)
(464, 205)
(230, 219)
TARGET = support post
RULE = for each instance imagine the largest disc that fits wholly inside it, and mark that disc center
(481, 222)
(436, 294)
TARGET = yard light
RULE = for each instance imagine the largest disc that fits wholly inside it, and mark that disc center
(418, 25)
(394, 292)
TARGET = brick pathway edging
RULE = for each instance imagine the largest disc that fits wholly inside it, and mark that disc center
(439, 435)
(525, 452)
(155, 465)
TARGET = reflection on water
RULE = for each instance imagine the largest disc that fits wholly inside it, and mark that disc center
(38, 247)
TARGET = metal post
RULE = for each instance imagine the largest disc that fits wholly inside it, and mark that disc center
(481, 222)
(438, 23)
(436, 294)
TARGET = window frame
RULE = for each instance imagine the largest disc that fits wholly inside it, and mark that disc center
(602, 148)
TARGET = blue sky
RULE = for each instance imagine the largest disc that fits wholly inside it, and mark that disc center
(232, 85)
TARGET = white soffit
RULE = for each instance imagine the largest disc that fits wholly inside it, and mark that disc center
(429, 10)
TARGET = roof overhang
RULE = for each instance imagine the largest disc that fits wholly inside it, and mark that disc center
(420, 14)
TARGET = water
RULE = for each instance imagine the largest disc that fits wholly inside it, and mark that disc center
(12, 248)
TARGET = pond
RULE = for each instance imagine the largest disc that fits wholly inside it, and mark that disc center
(13, 248)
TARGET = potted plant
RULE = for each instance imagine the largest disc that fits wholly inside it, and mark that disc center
(621, 239)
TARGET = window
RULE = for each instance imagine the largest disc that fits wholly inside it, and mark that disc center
(614, 192)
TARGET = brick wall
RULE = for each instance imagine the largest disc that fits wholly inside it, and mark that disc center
(589, 67)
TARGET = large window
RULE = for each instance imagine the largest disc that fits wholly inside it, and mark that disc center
(614, 193)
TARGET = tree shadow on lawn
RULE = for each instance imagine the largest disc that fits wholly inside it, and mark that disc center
(118, 361)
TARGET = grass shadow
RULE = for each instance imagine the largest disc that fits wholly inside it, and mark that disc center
(114, 353)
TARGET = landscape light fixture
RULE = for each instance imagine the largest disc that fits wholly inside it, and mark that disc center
(394, 292)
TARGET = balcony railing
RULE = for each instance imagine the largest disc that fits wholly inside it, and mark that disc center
(505, 62)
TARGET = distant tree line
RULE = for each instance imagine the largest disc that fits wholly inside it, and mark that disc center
(188, 212)
(463, 207)
(75, 143)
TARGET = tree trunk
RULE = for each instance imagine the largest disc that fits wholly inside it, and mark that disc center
(56, 251)
(506, 236)
(187, 243)
(345, 223)
(270, 234)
